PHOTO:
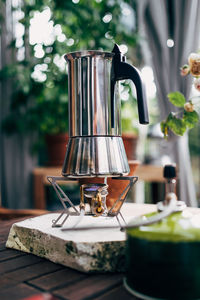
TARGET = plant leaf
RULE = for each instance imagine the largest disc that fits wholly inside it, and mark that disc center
(162, 126)
(190, 118)
(177, 99)
(170, 117)
(164, 129)
(176, 125)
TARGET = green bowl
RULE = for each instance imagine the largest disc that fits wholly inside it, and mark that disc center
(163, 259)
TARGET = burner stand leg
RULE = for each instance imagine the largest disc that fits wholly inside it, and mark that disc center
(63, 199)
(121, 199)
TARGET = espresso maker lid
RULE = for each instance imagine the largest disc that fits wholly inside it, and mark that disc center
(87, 53)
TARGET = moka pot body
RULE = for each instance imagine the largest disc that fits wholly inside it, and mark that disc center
(95, 147)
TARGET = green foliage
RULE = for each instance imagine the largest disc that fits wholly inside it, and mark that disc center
(129, 110)
(190, 118)
(128, 125)
(177, 99)
(180, 121)
(194, 136)
(41, 104)
(177, 125)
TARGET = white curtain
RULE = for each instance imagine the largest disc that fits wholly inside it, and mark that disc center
(16, 160)
(159, 21)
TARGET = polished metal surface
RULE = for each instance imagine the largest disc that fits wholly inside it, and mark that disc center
(70, 210)
(95, 194)
(85, 53)
(95, 156)
(90, 190)
(89, 86)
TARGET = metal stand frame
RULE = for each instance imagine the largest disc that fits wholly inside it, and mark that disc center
(114, 211)
(122, 197)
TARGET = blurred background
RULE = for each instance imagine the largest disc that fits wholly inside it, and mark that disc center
(156, 36)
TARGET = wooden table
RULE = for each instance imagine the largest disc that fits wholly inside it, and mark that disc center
(147, 173)
(23, 275)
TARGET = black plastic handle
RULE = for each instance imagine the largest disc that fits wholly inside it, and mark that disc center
(120, 71)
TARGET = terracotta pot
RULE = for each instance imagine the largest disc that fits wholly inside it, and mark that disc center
(56, 148)
(130, 144)
(115, 186)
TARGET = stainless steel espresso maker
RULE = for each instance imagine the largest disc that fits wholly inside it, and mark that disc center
(95, 147)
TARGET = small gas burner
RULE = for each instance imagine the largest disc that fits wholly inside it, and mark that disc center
(93, 195)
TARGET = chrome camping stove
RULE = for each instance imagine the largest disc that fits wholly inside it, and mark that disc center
(95, 147)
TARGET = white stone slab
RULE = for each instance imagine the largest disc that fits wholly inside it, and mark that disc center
(98, 250)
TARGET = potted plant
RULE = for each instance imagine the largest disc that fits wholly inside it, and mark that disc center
(51, 111)
(39, 107)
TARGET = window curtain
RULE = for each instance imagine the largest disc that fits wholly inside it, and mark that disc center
(159, 21)
(16, 160)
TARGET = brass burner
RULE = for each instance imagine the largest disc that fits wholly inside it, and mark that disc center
(95, 195)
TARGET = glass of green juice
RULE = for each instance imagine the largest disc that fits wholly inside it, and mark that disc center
(163, 259)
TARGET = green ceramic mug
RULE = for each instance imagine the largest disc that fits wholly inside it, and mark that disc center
(163, 259)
